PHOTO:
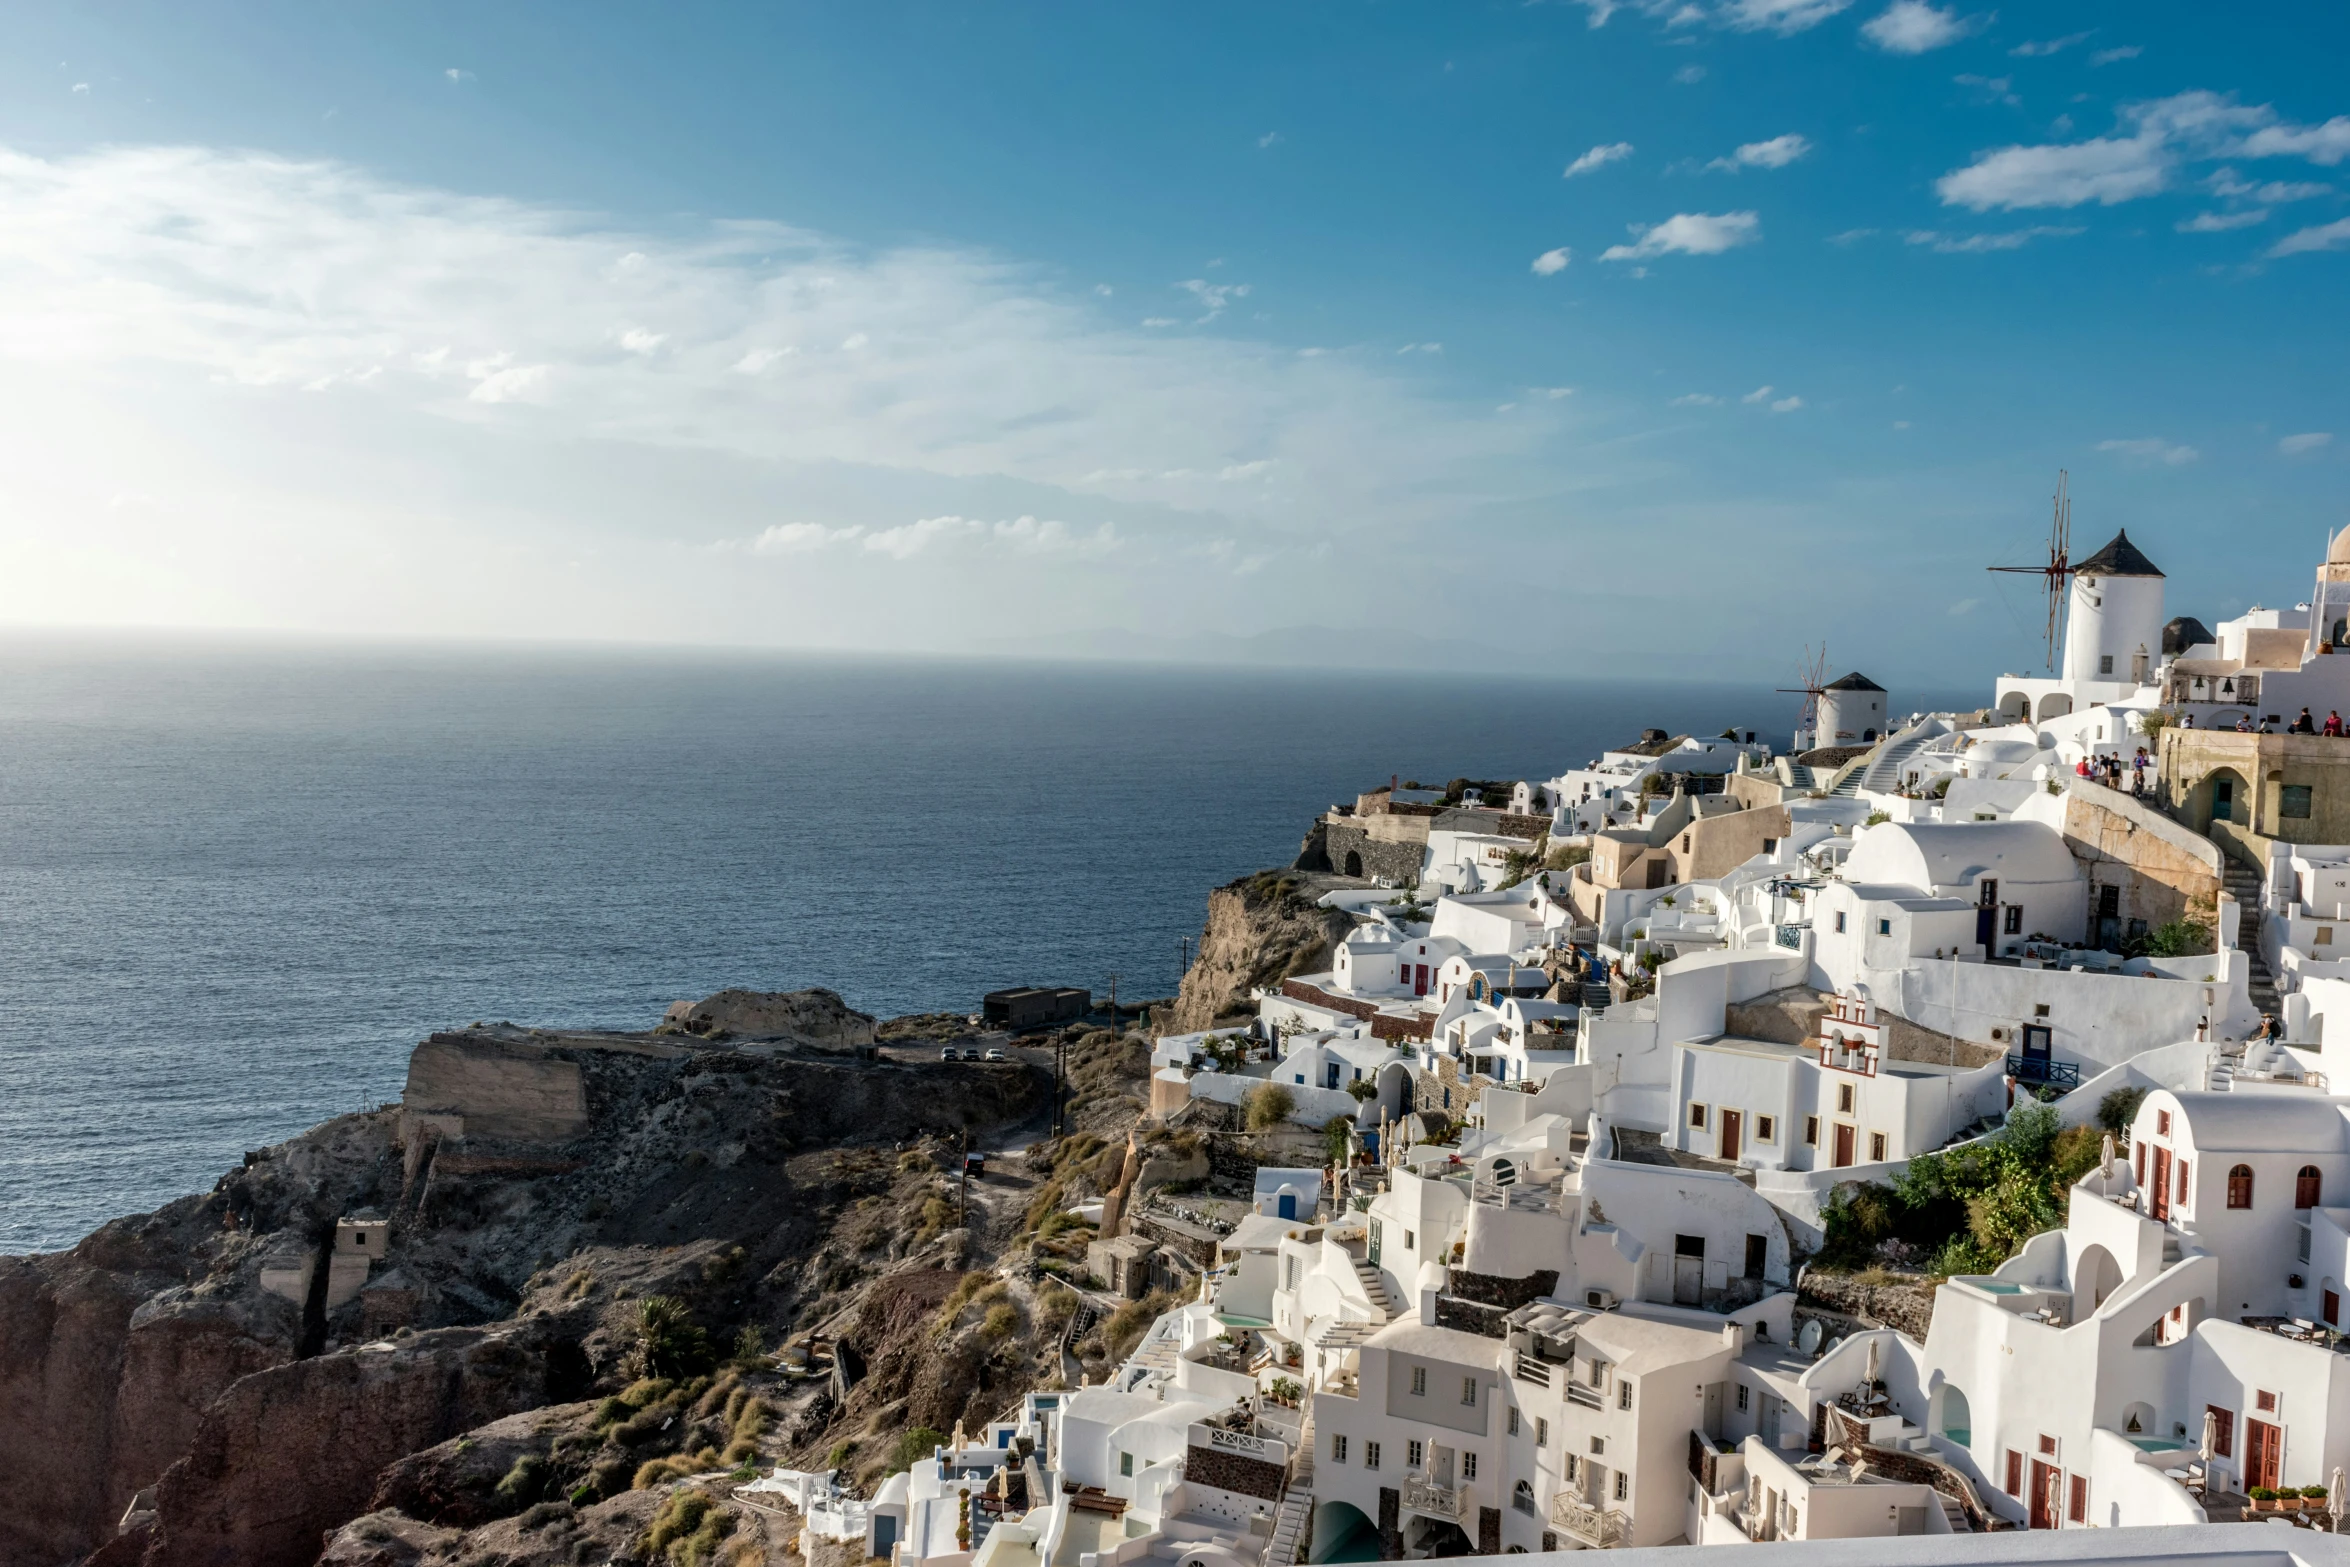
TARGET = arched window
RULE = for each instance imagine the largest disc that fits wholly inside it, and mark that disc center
(2240, 1186)
(2307, 1187)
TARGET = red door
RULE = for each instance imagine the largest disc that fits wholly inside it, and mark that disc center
(2159, 1187)
(1730, 1129)
(1843, 1145)
(2264, 1453)
(2045, 1498)
(1420, 979)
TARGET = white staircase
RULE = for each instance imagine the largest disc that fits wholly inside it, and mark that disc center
(1376, 1288)
(1883, 773)
(1297, 1499)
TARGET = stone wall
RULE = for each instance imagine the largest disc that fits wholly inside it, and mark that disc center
(1232, 1472)
(1792, 1017)
(2159, 870)
(1353, 851)
(1509, 1294)
(1907, 1307)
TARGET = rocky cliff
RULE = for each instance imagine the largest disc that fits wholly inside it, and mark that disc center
(234, 1383)
(1261, 929)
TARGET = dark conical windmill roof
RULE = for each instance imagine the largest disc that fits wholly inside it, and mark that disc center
(1856, 681)
(2120, 558)
(2183, 633)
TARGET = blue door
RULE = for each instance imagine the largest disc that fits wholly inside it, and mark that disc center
(1289, 1205)
(885, 1535)
(1331, 1075)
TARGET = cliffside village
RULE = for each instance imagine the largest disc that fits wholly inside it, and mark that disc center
(1605, 1054)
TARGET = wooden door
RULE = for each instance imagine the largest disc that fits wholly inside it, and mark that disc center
(2159, 1187)
(1843, 1144)
(2264, 1452)
(2045, 1500)
(1731, 1120)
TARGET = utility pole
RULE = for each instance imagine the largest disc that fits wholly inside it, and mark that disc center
(1060, 1079)
(1113, 1003)
(1184, 943)
(963, 1185)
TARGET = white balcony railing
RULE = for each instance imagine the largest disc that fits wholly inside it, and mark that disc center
(1441, 1501)
(1601, 1528)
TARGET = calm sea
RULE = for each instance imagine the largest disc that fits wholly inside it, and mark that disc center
(238, 880)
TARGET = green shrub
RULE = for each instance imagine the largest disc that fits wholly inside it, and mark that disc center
(2261, 1493)
(914, 1446)
(542, 1515)
(2314, 1492)
(1001, 1322)
(2179, 939)
(666, 1342)
(1268, 1105)
(524, 1483)
(2117, 1110)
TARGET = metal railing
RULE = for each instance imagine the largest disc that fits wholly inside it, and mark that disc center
(1788, 936)
(2043, 1070)
(1445, 1501)
(1599, 1527)
(1588, 1397)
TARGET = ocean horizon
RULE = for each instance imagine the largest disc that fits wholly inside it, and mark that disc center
(240, 877)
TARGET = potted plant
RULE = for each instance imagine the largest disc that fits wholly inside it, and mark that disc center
(2264, 1500)
(2313, 1498)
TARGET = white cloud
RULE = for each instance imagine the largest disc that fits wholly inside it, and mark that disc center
(1553, 393)
(2222, 222)
(1689, 75)
(1760, 394)
(2031, 48)
(757, 360)
(1778, 16)
(1600, 10)
(1689, 234)
(2226, 182)
(2296, 445)
(477, 431)
(1776, 153)
(2118, 168)
(1599, 157)
(1552, 262)
(1696, 400)
(800, 538)
(1851, 236)
(2326, 144)
(1270, 139)
(1913, 27)
(2111, 56)
(637, 340)
(1963, 607)
(2324, 236)
(1213, 297)
(1103, 290)
(2000, 89)
(456, 75)
(1786, 405)
(1977, 244)
(1421, 348)
(81, 87)
(2151, 449)
(1160, 321)
(2106, 170)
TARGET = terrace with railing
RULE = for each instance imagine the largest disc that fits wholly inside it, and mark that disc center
(1601, 1528)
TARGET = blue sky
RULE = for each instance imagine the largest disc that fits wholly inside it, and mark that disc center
(1136, 328)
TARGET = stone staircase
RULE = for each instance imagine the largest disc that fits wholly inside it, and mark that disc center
(2219, 1070)
(1883, 772)
(2245, 885)
(1955, 1513)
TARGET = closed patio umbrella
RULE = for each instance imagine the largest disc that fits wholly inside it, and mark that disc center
(2105, 1157)
(2209, 1446)
(2337, 1498)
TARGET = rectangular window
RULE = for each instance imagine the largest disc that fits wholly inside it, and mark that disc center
(1844, 1098)
(2162, 1123)
(1370, 1455)
(2105, 663)
(2182, 1180)
(1513, 1420)
(2077, 1505)
(1623, 1485)
(1742, 1391)
(1413, 1452)
(2325, 935)
(1410, 1242)
(1839, 922)
(2048, 1447)
(1126, 1463)
(1811, 1131)
(1338, 1447)
(2293, 800)
(1574, 1467)
(2266, 1403)
(1876, 1147)
(1884, 927)
(1758, 1255)
(2223, 1431)
(1697, 1115)
(1469, 1391)
(2015, 922)
(2015, 1473)
(1468, 1466)
(1419, 1381)
(1541, 1432)
(1624, 1394)
(1766, 1129)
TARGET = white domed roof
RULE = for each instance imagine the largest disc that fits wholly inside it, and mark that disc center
(2338, 553)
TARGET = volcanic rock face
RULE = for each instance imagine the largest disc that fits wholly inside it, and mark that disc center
(1261, 930)
(749, 1184)
(815, 1016)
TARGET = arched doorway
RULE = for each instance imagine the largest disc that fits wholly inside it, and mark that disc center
(1951, 1416)
(1354, 863)
(2055, 705)
(1342, 1534)
(2016, 707)
(2222, 795)
(2095, 1277)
